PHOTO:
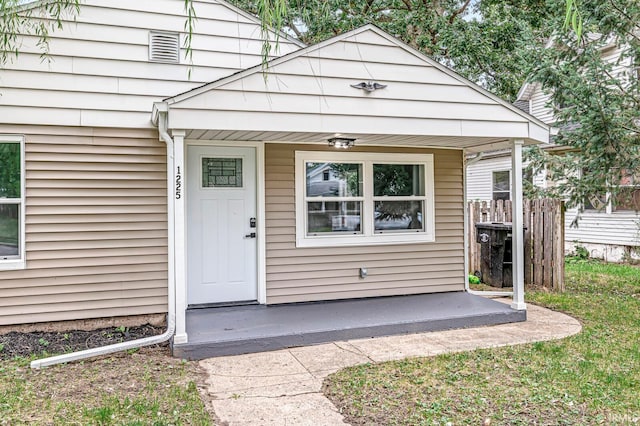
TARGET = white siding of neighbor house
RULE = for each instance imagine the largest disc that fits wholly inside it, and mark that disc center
(311, 93)
(480, 177)
(309, 274)
(538, 106)
(96, 226)
(617, 228)
(539, 99)
(99, 73)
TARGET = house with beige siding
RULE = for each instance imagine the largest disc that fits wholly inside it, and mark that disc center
(149, 184)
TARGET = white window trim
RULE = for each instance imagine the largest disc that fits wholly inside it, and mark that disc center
(367, 237)
(20, 263)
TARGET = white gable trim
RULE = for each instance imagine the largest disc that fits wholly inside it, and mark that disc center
(342, 37)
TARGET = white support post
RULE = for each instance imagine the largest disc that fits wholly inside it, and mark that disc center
(517, 226)
(180, 237)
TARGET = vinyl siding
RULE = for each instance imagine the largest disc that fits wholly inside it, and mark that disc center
(617, 228)
(96, 226)
(99, 73)
(310, 274)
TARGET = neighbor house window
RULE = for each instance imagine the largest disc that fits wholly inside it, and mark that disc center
(628, 195)
(501, 189)
(363, 198)
(626, 198)
(11, 203)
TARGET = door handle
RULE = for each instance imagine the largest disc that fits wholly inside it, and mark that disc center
(251, 235)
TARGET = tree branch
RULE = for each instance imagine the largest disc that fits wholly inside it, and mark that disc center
(459, 11)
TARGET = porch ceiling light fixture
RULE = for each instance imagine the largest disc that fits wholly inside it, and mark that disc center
(369, 86)
(340, 142)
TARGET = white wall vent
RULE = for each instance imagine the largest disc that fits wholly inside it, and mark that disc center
(164, 47)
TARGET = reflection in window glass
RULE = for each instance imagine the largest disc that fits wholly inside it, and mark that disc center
(628, 193)
(501, 185)
(398, 179)
(596, 202)
(10, 182)
(9, 230)
(399, 216)
(628, 198)
(333, 180)
(330, 216)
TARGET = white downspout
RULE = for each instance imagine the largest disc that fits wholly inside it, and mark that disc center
(475, 159)
(171, 308)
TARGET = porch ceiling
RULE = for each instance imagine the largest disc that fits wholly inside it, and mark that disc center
(471, 144)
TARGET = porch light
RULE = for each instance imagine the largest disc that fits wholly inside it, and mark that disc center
(341, 142)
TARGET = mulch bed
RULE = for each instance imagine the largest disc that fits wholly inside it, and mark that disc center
(16, 344)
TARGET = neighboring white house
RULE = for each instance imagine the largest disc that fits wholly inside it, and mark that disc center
(608, 230)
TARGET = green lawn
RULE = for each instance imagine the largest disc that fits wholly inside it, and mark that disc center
(589, 378)
(146, 387)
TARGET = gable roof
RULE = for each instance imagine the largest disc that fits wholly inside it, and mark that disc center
(312, 94)
(369, 27)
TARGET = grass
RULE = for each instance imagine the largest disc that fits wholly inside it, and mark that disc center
(589, 378)
(145, 387)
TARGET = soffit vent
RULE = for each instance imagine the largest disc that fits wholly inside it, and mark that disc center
(164, 47)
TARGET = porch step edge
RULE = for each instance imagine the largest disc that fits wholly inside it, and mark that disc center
(202, 350)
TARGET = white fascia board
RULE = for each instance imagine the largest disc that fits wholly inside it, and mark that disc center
(525, 92)
(539, 133)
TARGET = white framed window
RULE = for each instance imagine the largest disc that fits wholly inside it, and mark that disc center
(628, 196)
(12, 254)
(369, 198)
(501, 185)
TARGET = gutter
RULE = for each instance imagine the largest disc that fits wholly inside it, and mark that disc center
(171, 308)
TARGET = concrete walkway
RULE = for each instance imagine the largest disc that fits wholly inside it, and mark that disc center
(284, 387)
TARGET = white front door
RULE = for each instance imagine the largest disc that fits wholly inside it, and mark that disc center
(221, 232)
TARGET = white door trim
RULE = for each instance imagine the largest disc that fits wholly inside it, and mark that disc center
(260, 212)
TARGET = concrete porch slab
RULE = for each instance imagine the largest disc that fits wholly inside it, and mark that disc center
(285, 386)
(238, 330)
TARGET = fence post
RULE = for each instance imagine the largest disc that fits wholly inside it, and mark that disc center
(527, 242)
(558, 249)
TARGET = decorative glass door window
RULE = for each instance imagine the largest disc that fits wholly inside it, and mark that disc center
(221, 172)
(363, 198)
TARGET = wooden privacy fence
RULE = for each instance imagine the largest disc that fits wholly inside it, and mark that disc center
(543, 238)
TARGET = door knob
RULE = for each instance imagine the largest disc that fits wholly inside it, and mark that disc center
(251, 235)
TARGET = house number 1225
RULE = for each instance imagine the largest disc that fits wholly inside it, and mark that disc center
(178, 184)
